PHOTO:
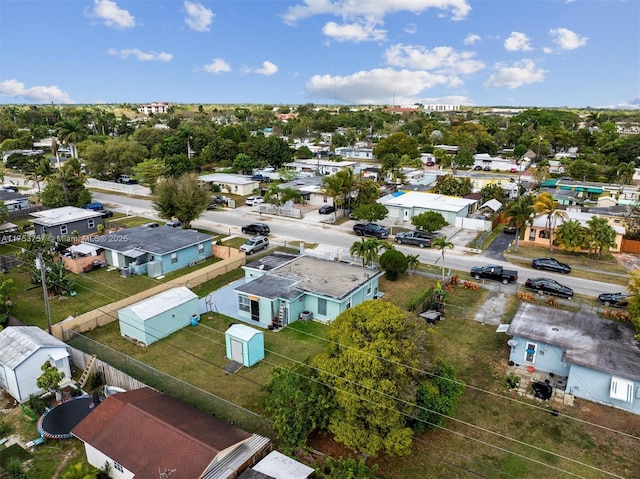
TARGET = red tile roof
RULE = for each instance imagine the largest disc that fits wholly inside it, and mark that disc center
(144, 430)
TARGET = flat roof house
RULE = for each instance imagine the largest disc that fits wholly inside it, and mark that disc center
(63, 221)
(405, 205)
(232, 184)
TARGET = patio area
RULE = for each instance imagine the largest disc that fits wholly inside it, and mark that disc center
(529, 377)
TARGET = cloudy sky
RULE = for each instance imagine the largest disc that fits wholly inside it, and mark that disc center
(574, 53)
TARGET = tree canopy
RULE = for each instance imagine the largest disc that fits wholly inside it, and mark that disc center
(183, 198)
(429, 221)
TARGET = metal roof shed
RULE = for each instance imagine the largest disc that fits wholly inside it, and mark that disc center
(157, 317)
(245, 345)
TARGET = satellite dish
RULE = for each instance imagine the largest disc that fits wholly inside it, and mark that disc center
(512, 342)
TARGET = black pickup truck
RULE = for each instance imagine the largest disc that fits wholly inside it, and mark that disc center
(370, 229)
(494, 272)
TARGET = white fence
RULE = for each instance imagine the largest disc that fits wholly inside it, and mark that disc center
(112, 186)
(278, 210)
(473, 224)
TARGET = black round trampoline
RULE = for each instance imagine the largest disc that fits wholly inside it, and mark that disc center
(57, 423)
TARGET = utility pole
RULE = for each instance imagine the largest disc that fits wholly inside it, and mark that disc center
(43, 278)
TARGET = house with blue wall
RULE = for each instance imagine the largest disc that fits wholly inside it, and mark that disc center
(599, 357)
(153, 251)
(64, 221)
(302, 287)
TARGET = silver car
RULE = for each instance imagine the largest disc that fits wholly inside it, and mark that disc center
(255, 244)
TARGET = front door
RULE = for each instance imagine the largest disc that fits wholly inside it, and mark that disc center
(255, 310)
(406, 215)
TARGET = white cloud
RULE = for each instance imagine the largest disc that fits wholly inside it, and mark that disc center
(198, 17)
(374, 10)
(547, 50)
(471, 38)
(353, 32)
(267, 69)
(111, 15)
(411, 28)
(443, 60)
(566, 39)
(517, 42)
(519, 73)
(39, 94)
(140, 55)
(217, 65)
(379, 86)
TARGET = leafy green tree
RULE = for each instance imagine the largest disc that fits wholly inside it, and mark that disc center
(442, 243)
(519, 150)
(391, 165)
(269, 150)
(493, 192)
(7, 292)
(545, 205)
(519, 214)
(57, 279)
(372, 361)
(464, 159)
(114, 157)
(66, 187)
(571, 235)
(398, 144)
(394, 263)
(303, 153)
(368, 192)
(244, 164)
(290, 194)
(429, 221)
(452, 186)
(371, 212)
(600, 236)
(149, 171)
(437, 397)
(50, 377)
(297, 403)
(184, 198)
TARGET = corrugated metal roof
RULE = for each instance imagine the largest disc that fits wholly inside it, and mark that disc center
(17, 343)
(150, 307)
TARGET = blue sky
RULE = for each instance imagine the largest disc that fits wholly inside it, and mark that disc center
(546, 53)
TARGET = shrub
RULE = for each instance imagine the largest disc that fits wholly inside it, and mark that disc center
(470, 285)
(513, 380)
(551, 301)
(5, 428)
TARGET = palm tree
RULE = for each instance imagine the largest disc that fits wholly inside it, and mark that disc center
(571, 235)
(359, 249)
(545, 205)
(332, 186)
(273, 195)
(441, 243)
(413, 261)
(519, 214)
(70, 133)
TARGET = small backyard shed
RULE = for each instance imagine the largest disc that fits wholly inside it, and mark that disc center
(245, 345)
(157, 317)
(23, 351)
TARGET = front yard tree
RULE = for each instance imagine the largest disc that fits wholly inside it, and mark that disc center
(570, 236)
(394, 263)
(371, 212)
(519, 214)
(183, 198)
(373, 361)
(149, 171)
(429, 221)
(545, 205)
(600, 236)
(452, 186)
(66, 187)
(442, 243)
(493, 192)
(244, 164)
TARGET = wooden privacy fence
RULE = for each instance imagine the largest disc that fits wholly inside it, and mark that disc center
(110, 375)
(630, 246)
(109, 313)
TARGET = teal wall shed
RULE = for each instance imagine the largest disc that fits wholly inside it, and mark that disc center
(157, 317)
(245, 345)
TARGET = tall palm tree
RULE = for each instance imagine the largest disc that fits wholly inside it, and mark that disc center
(332, 186)
(442, 243)
(70, 132)
(273, 195)
(519, 214)
(359, 249)
(545, 205)
(413, 261)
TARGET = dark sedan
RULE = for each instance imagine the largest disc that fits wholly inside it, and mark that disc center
(616, 300)
(549, 286)
(257, 229)
(326, 209)
(551, 264)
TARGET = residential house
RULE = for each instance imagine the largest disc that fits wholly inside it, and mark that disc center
(599, 357)
(405, 205)
(153, 251)
(304, 287)
(23, 352)
(495, 163)
(14, 201)
(145, 434)
(310, 188)
(359, 153)
(538, 232)
(231, 183)
(320, 167)
(158, 316)
(449, 149)
(64, 221)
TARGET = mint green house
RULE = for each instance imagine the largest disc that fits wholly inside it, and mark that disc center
(281, 289)
(154, 318)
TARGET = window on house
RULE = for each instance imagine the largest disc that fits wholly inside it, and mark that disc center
(349, 303)
(64, 230)
(91, 222)
(369, 287)
(621, 389)
(201, 248)
(324, 198)
(174, 257)
(532, 234)
(322, 306)
(118, 467)
(530, 353)
(543, 234)
(243, 303)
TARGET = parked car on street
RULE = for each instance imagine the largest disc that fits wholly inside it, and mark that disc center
(326, 209)
(549, 286)
(616, 300)
(106, 213)
(255, 244)
(254, 200)
(94, 205)
(173, 223)
(256, 228)
(496, 273)
(510, 230)
(261, 178)
(150, 225)
(420, 238)
(551, 264)
(370, 229)
(127, 180)
(220, 200)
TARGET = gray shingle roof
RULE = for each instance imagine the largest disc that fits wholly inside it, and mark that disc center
(17, 343)
(158, 241)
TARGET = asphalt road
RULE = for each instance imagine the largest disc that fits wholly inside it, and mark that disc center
(340, 238)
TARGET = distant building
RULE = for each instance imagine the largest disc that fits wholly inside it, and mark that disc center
(154, 107)
(442, 107)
